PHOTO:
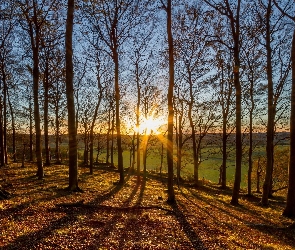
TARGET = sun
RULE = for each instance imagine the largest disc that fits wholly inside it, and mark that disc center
(151, 125)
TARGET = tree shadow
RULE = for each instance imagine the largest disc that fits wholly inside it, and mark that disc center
(31, 240)
(187, 228)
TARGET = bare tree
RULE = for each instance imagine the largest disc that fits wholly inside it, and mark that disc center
(72, 131)
(232, 12)
(290, 206)
(168, 8)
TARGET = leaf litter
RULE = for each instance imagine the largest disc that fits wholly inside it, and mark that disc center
(106, 215)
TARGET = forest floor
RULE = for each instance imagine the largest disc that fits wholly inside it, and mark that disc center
(41, 214)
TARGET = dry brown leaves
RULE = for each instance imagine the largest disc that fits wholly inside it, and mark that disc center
(43, 215)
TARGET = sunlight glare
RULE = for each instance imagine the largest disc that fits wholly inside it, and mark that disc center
(151, 125)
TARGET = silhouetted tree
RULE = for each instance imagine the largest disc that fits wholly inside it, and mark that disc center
(72, 131)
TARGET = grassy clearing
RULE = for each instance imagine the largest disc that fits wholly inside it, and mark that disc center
(209, 168)
(42, 215)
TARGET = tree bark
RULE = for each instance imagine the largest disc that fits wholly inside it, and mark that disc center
(36, 73)
(46, 104)
(2, 160)
(99, 97)
(13, 128)
(73, 170)
(267, 185)
(137, 119)
(118, 122)
(171, 195)
(4, 115)
(235, 23)
(290, 206)
(31, 145)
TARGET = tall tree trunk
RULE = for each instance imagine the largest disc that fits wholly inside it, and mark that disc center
(73, 170)
(144, 152)
(2, 160)
(179, 148)
(225, 110)
(137, 119)
(235, 23)
(250, 152)
(171, 195)
(36, 73)
(267, 185)
(4, 115)
(91, 152)
(192, 125)
(108, 138)
(117, 106)
(57, 136)
(133, 153)
(290, 206)
(34, 31)
(112, 139)
(99, 97)
(31, 131)
(13, 128)
(86, 148)
(46, 103)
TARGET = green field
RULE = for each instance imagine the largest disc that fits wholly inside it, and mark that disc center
(209, 168)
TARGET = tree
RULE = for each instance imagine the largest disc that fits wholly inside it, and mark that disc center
(112, 21)
(272, 24)
(6, 35)
(72, 131)
(35, 18)
(225, 89)
(290, 205)
(193, 56)
(252, 54)
(227, 9)
(168, 9)
(50, 57)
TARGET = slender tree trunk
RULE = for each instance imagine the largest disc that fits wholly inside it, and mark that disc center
(2, 160)
(57, 135)
(13, 128)
(224, 132)
(238, 172)
(73, 170)
(91, 152)
(192, 125)
(108, 138)
(133, 153)
(267, 185)
(4, 115)
(31, 131)
(36, 73)
(118, 122)
(290, 206)
(258, 174)
(86, 148)
(99, 97)
(224, 152)
(179, 148)
(250, 152)
(34, 31)
(236, 37)
(171, 195)
(137, 119)
(46, 103)
(144, 154)
(112, 139)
